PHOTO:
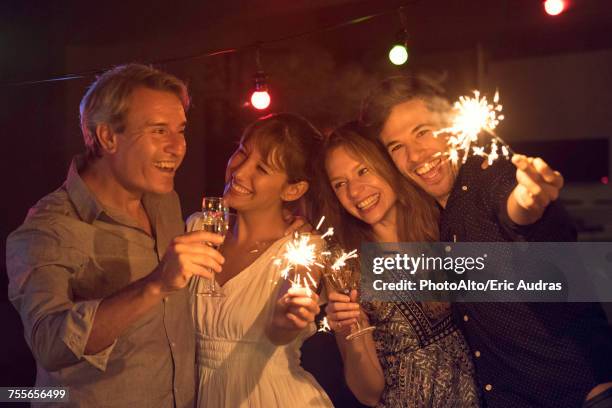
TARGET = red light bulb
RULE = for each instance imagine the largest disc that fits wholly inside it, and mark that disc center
(260, 99)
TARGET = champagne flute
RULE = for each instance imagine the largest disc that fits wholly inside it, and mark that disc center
(216, 219)
(344, 279)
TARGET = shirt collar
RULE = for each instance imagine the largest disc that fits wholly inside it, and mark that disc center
(88, 207)
(85, 203)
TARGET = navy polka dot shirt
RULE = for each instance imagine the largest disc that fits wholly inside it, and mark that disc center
(526, 354)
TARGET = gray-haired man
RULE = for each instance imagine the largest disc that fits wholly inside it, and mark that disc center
(99, 267)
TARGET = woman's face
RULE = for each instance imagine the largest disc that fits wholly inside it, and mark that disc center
(362, 192)
(251, 183)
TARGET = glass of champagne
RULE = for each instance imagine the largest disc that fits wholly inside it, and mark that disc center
(344, 279)
(216, 219)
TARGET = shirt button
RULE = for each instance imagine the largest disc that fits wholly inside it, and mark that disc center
(172, 344)
(465, 318)
(464, 188)
(477, 353)
(488, 387)
(166, 299)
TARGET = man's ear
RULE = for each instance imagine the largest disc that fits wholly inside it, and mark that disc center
(294, 191)
(106, 137)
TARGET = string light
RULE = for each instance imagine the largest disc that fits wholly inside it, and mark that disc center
(260, 98)
(398, 55)
(215, 53)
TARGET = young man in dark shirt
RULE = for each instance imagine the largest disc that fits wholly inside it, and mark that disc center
(526, 354)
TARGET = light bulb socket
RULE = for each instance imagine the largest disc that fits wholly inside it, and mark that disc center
(260, 79)
(402, 37)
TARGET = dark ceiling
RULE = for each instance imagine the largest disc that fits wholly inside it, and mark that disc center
(34, 33)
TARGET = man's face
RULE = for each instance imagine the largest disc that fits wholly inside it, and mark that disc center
(152, 146)
(417, 153)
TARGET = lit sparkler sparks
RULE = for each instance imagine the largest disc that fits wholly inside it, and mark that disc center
(320, 222)
(473, 116)
(338, 275)
(342, 258)
(324, 326)
(328, 233)
(300, 252)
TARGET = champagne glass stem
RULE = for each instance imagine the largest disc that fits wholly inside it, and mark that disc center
(213, 281)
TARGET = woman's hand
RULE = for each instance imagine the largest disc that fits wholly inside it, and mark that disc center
(296, 309)
(342, 311)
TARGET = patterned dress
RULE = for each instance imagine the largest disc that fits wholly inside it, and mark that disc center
(425, 359)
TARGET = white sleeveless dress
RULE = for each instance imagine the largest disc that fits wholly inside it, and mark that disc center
(237, 365)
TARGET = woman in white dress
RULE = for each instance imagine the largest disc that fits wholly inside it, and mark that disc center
(248, 342)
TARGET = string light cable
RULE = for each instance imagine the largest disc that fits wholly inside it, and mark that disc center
(207, 54)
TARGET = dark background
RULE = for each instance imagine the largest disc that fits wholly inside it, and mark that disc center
(554, 75)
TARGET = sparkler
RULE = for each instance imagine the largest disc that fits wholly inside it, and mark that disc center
(344, 279)
(328, 233)
(324, 326)
(320, 223)
(473, 116)
(339, 275)
(342, 258)
(300, 252)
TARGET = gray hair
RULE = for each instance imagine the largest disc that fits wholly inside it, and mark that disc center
(107, 99)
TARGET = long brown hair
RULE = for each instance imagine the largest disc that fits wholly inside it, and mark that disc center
(108, 99)
(417, 212)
